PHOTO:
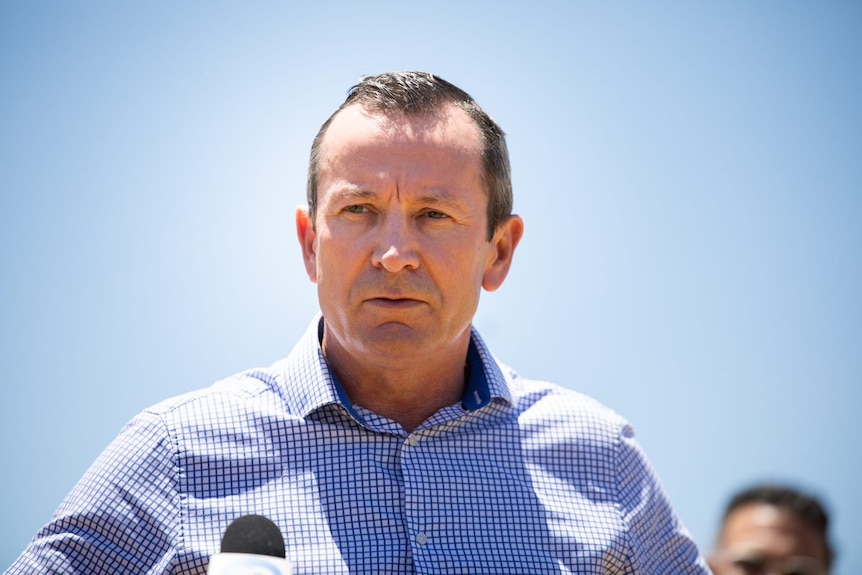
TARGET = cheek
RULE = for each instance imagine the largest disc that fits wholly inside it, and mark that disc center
(462, 272)
(477, 262)
(336, 268)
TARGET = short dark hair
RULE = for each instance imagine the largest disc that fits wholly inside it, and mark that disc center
(423, 93)
(803, 506)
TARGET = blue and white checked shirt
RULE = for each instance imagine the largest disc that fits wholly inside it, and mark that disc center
(521, 477)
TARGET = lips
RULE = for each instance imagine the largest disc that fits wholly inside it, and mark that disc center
(395, 302)
(406, 293)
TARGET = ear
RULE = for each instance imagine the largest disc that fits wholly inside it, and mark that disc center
(502, 250)
(306, 236)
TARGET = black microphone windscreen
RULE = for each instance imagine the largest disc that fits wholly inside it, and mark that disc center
(254, 535)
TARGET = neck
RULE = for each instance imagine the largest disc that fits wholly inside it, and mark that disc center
(407, 392)
(406, 402)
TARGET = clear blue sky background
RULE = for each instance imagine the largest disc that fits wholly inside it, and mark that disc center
(689, 174)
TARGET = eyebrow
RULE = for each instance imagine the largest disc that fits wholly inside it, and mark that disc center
(440, 197)
(443, 197)
(353, 193)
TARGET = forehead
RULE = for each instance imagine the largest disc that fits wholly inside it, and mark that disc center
(767, 529)
(357, 128)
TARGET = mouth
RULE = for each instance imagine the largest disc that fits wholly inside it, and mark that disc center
(394, 302)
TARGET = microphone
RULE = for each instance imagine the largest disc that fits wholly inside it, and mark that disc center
(251, 545)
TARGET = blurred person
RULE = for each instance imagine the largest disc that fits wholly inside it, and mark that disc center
(390, 440)
(773, 530)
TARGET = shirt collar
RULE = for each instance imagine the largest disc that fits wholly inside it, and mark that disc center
(310, 385)
(486, 380)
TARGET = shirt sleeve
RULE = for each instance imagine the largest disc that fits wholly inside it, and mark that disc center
(659, 541)
(121, 517)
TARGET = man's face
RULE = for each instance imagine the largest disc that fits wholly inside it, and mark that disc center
(399, 250)
(759, 539)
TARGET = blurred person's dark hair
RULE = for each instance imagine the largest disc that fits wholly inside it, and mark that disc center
(803, 506)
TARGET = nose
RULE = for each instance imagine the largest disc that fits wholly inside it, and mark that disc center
(396, 246)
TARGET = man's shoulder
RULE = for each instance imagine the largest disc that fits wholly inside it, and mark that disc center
(256, 388)
(540, 402)
(253, 386)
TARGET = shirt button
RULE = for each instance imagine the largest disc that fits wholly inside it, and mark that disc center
(412, 441)
(421, 539)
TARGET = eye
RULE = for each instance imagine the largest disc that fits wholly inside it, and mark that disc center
(435, 215)
(356, 209)
(745, 566)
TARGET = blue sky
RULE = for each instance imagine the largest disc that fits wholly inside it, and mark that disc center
(688, 173)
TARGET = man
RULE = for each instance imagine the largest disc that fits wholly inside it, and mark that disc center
(770, 529)
(390, 440)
